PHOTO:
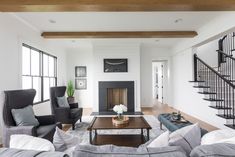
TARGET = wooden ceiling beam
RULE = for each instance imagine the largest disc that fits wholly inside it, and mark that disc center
(115, 5)
(136, 34)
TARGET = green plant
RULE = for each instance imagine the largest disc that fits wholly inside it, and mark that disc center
(70, 89)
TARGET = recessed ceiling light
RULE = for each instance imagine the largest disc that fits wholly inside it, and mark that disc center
(52, 21)
(178, 20)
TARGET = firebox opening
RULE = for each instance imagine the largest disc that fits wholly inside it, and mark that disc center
(116, 96)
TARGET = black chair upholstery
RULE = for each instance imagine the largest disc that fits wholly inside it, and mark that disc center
(65, 115)
(16, 99)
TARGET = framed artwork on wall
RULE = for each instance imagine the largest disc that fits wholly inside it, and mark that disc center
(115, 65)
(80, 83)
(80, 71)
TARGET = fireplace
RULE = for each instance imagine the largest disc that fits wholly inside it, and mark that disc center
(113, 93)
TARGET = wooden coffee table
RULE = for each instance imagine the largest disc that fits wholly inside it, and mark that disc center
(131, 140)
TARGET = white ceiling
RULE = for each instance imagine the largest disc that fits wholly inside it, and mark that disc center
(120, 21)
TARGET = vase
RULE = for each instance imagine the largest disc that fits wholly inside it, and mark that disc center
(119, 116)
(71, 100)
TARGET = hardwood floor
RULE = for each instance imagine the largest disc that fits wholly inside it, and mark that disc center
(86, 112)
(160, 108)
(157, 109)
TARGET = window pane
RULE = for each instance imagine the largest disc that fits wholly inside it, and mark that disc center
(52, 82)
(35, 58)
(25, 61)
(26, 82)
(45, 65)
(51, 66)
(37, 87)
(46, 88)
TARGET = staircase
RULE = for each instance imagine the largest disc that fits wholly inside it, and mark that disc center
(218, 84)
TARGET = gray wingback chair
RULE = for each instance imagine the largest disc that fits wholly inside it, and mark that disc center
(16, 99)
(65, 115)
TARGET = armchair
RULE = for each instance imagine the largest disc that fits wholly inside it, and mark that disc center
(65, 115)
(16, 99)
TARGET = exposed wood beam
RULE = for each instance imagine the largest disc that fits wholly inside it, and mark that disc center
(137, 34)
(115, 5)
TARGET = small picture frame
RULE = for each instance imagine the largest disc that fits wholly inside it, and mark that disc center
(80, 71)
(80, 84)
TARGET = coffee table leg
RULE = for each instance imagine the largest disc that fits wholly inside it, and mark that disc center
(148, 134)
(90, 136)
(95, 132)
(142, 132)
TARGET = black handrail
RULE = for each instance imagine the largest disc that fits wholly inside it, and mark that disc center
(229, 56)
(218, 74)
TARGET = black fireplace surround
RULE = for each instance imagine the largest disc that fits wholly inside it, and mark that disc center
(105, 85)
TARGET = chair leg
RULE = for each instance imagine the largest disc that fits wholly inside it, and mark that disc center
(73, 126)
(81, 119)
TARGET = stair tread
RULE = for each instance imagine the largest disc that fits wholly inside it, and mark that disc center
(206, 93)
(221, 107)
(196, 81)
(201, 86)
(211, 99)
(230, 116)
(226, 75)
(230, 126)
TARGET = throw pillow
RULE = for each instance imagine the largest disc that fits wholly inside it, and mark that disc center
(27, 142)
(62, 101)
(217, 135)
(229, 140)
(63, 141)
(160, 141)
(24, 116)
(187, 137)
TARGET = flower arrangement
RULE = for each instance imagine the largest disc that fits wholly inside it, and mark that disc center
(119, 109)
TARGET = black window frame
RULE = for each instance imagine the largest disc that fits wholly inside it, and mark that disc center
(41, 74)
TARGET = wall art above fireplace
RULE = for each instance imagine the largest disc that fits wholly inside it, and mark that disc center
(115, 65)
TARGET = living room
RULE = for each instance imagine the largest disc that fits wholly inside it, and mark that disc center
(107, 50)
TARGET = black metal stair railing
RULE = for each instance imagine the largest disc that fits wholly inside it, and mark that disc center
(219, 90)
(226, 58)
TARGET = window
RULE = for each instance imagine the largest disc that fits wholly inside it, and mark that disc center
(39, 71)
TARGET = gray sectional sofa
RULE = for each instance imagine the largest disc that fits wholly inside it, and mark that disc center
(215, 150)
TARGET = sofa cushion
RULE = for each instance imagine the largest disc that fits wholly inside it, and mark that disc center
(188, 138)
(44, 130)
(24, 116)
(217, 135)
(214, 150)
(115, 151)
(62, 101)
(10, 152)
(27, 142)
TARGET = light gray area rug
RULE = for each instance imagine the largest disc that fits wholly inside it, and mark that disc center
(81, 129)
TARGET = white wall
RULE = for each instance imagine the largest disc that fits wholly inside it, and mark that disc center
(150, 53)
(208, 53)
(12, 34)
(185, 97)
(116, 50)
(140, 57)
(82, 56)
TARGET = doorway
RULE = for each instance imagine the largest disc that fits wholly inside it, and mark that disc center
(159, 81)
